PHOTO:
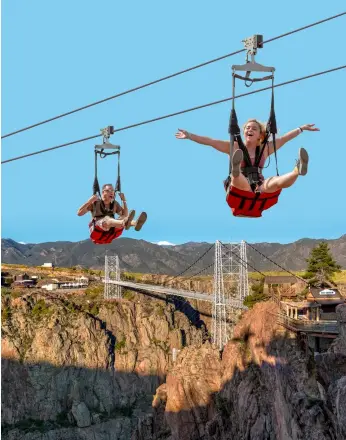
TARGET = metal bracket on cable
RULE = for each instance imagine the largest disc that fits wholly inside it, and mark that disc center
(106, 133)
(251, 45)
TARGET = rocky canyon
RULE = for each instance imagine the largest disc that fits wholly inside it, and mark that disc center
(141, 369)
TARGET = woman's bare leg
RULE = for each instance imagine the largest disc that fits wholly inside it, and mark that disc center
(120, 222)
(237, 178)
(114, 223)
(279, 182)
(241, 182)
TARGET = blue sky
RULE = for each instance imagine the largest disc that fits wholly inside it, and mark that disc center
(57, 56)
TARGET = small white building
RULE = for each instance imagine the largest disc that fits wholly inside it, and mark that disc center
(52, 286)
(47, 265)
(82, 280)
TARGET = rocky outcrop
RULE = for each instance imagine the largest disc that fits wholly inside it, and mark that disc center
(331, 370)
(72, 373)
(184, 404)
(269, 385)
(76, 374)
(266, 386)
(189, 389)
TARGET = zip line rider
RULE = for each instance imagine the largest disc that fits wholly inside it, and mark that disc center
(254, 132)
(102, 212)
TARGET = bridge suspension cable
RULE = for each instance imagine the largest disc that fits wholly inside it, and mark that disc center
(191, 265)
(178, 113)
(168, 77)
(198, 273)
(278, 265)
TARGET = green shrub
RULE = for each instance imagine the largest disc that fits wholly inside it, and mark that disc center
(41, 310)
(73, 308)
(256, 295)
(129, 295)
(17, 293)
(254, 298)
(159, 310)
(6, 313)
(5, 291)
(94, 292)
(120, 344)
(94, 309)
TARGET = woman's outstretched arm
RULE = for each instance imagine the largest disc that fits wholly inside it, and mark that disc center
(291, 135)
(219, 145)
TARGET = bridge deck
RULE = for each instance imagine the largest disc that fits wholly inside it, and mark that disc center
(176, 292)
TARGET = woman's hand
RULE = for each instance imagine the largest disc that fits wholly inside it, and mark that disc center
(182, 134)
(93, 199)
(122, 197)
(309, 127)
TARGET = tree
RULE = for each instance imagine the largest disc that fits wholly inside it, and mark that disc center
(256, 294)
(321, 266)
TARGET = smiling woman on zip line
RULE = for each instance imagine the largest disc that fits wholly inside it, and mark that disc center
(254, 134)
(248, 193)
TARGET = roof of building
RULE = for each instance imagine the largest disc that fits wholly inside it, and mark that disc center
(22, 276)
(24, 281)
(300, 304)
(280, 279)
(329, 293)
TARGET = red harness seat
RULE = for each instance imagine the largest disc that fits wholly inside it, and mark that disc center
(99, 236)
(250, 204)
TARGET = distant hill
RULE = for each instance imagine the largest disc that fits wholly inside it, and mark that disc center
(146, 257)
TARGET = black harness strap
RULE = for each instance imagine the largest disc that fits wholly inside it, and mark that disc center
(118, 181)
(254, 200)
(242, 202)
(96, 186)
(103, 154)
(261, 208)
(272, 126)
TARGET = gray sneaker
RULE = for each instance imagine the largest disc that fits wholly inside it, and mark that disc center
(129, 219)
(140, 221)
(237, 159)
(302, 162)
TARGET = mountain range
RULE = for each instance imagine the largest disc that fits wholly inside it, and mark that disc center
(145, 257)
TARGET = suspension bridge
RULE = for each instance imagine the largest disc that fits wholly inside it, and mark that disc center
(230, 285)
(230, 288)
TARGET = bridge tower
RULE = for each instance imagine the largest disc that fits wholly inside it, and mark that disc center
(243, 274)
(235, 272)
(230, 282)
(219, 329)
(112, 273)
